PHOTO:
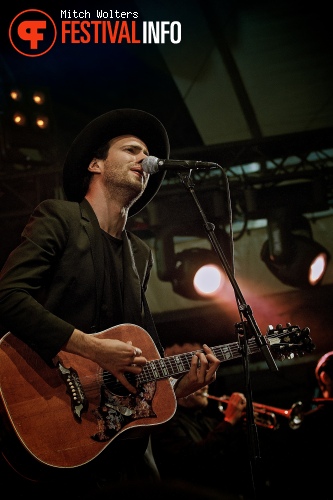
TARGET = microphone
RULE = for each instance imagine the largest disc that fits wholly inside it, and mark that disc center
(152, 165)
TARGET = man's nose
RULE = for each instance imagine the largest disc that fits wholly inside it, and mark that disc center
(141, 156)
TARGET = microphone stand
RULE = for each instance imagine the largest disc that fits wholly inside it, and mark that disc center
(247, 327)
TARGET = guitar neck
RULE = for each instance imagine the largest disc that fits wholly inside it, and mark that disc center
(181, 363)
(288, 342)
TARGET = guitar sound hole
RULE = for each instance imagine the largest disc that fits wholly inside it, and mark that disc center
(114, 386)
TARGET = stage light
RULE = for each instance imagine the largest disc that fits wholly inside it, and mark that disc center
(28, 128)
(15, 95)
(19, 119)
(39, 98)
(208, 280)
(42, 122)
(291, 254)
(185, 258)
(197, 274)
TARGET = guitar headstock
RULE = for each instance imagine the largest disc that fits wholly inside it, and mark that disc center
(290, 341)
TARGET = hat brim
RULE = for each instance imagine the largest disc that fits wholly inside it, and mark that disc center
(104, 128)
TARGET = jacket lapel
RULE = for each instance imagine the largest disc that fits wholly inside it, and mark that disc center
(91, 226)
(132, 285)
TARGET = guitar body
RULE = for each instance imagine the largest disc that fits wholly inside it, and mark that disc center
(65, 416)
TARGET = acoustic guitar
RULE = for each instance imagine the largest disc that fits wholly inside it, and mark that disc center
(65, 416)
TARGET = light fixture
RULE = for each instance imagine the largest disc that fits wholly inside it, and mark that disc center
(290, 252)
(195, 272)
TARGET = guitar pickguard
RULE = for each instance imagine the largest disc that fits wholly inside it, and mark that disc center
(114, 411)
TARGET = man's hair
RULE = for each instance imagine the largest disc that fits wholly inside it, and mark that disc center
(101, 153)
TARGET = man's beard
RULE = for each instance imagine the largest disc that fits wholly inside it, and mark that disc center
(130, 192)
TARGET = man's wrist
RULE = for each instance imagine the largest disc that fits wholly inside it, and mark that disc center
(175, 383)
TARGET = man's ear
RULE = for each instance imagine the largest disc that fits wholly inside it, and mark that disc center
(94, 166)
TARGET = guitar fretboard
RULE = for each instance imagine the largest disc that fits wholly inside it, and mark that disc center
(291, 338)
(181, 363)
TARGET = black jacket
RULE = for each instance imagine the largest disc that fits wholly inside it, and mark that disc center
(52, 282)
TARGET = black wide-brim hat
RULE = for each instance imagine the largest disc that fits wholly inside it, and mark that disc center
(104, 128)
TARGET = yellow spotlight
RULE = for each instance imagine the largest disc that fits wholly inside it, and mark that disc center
(15, 95)
(42, 122)
(19, 119)
(39, 98)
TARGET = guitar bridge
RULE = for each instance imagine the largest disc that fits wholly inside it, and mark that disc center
(79, 402)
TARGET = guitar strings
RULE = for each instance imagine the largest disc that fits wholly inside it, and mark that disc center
(163, 368)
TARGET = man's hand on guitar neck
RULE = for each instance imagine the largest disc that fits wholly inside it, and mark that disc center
(202, 372)
(112, 355)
